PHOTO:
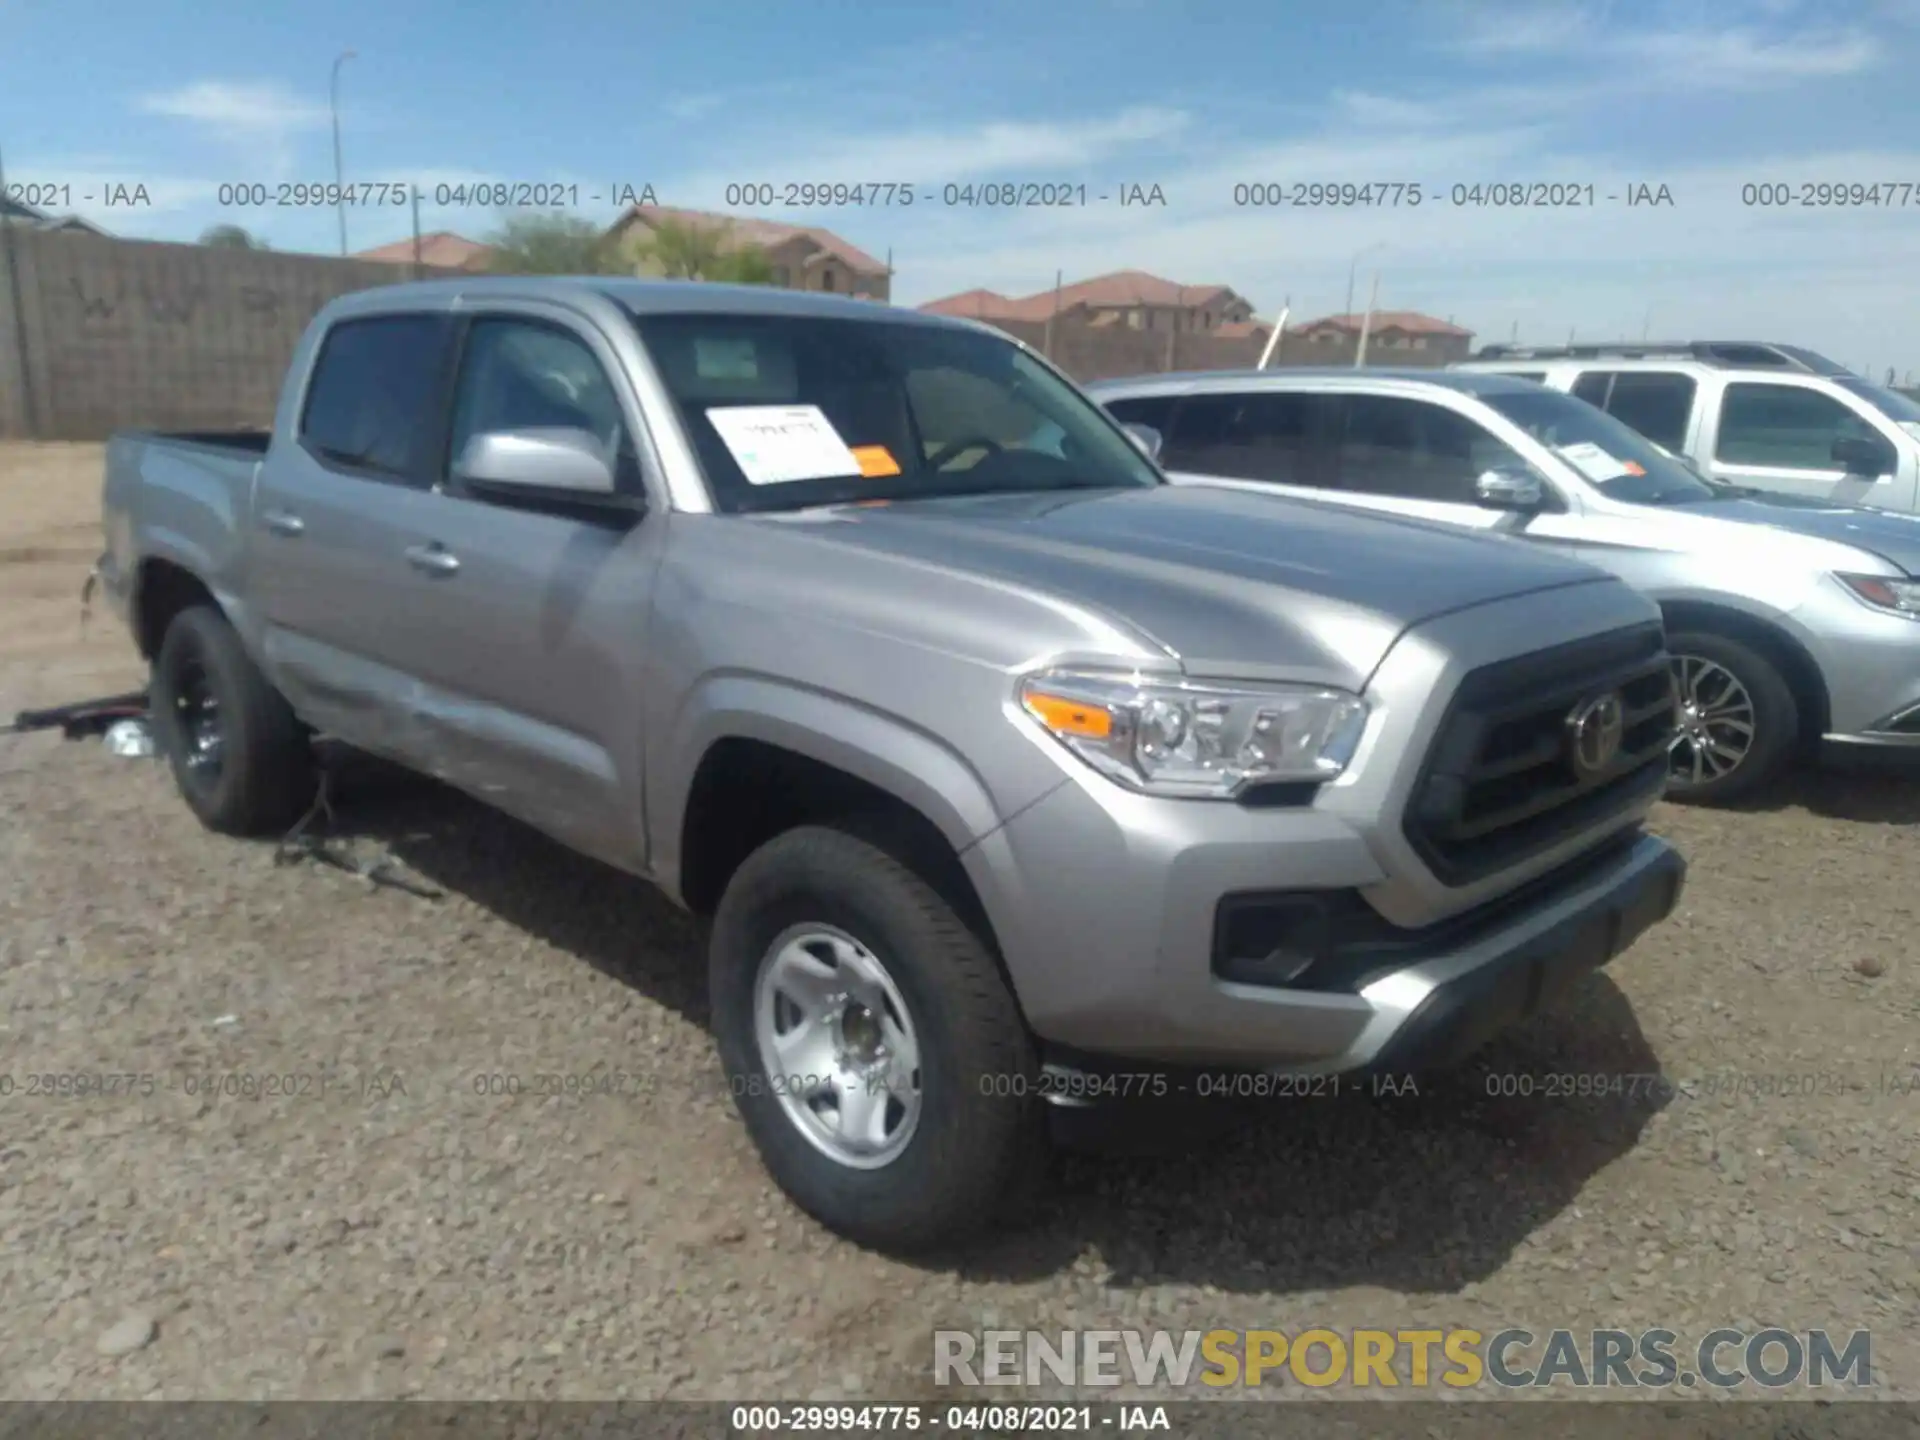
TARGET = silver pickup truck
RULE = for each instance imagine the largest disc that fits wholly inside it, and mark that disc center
(1007, 772)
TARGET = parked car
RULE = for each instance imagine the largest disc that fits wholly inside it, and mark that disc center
(1792, 624)
(1773, 417)
(1006, 772)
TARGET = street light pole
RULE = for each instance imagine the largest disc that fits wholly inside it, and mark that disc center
(339, 182)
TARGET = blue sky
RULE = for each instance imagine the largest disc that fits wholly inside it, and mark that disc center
(1194, 97)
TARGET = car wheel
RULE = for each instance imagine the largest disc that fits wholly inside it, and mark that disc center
(1738, 720)
(871, 1044)
(241, 759)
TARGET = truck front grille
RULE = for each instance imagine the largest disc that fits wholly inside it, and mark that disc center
(1540, 747)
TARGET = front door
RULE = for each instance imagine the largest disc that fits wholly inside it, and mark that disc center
(1778, 436)
(530, 619)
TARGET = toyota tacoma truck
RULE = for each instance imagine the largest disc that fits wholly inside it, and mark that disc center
(1001, 766)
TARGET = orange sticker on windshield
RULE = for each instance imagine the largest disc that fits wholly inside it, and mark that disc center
(1632, 469)
(875, 461)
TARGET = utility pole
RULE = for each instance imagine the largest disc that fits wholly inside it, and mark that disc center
(339, 182)
(415, 189)
(1366, 324)
(1046, 341)
(1173, 333)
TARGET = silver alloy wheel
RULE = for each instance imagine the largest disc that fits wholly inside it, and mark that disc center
(1715, 733)
(837, 1046)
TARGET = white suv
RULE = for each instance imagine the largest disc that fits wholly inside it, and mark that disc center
(1772, 417)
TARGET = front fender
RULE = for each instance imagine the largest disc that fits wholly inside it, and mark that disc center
(884, 750)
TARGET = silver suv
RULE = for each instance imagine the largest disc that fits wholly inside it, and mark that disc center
(1790, 622)
(1772, 417)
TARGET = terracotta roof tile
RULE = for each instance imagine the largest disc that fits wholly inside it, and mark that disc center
(754, 231)
(1411, 321)
(1119, 290)
(441, 248)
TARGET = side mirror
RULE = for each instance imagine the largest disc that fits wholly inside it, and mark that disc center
(1146, 437)
(1864, 456)
(557, 463)
(1510, 490)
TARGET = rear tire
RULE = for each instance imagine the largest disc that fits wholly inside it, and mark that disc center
(816, 915)
(242, 761)
(1725, 687)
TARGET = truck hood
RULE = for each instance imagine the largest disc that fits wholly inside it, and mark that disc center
(1226, 582)
(1891, 536)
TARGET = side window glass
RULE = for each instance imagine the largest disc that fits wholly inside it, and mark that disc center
(1251, 436)
(1416, 451)
(1783, 427)
(372, 403)
(523, 375)
(1153, 410)
(1657, 405)
(1591, 386)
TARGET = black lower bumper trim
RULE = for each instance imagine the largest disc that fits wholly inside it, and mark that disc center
(1463, 1014)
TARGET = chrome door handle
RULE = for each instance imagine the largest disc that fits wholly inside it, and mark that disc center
(283, 522)
(432, 559)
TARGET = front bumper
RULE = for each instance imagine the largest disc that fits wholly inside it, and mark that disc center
(1111, 938)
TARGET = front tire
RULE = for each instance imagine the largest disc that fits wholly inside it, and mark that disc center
(1739, 724)
(871, 1045)
(242, 761)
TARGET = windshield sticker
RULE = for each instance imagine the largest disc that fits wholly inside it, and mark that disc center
(876, 461)
(1593, 462)
(1632, 469)
(717, 359)
(782, 444)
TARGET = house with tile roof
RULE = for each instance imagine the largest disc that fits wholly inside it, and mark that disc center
(1125, 299)
(441, 249)
(15, 211)
(1395, 337)
(803, 257)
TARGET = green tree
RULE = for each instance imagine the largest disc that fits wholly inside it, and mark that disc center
(703, 252)
(556, 244)
(230, 237)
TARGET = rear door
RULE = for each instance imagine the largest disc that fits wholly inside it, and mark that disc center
(1778, 435)
(342, 486)
(1661, 404)
(1250, 439)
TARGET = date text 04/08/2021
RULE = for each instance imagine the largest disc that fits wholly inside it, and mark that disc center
(960, 1419)
(1479, 195)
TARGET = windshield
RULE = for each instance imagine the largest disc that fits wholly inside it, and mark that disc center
(1900, 409)
(1618, 461)
(788, 411)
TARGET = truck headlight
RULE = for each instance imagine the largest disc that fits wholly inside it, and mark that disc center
(1184, 738)
(1902, 597)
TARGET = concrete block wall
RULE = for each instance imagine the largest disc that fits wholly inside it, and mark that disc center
(134, 334)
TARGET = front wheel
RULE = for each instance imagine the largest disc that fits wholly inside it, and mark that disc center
(871, 1045)
(1738, 720)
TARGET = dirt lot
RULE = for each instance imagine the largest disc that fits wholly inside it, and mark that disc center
(391, 1229)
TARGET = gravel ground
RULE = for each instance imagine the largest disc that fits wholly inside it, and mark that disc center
(387, 1228)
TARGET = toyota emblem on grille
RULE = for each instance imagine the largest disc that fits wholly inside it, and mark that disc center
(1594, 730)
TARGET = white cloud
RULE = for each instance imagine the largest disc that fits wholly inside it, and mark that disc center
(258, 121)
(237, 107)
(1698, 55)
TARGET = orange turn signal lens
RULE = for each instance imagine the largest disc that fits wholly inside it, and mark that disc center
(1070, 717)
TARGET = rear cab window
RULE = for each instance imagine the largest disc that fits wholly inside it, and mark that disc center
(372, 406)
